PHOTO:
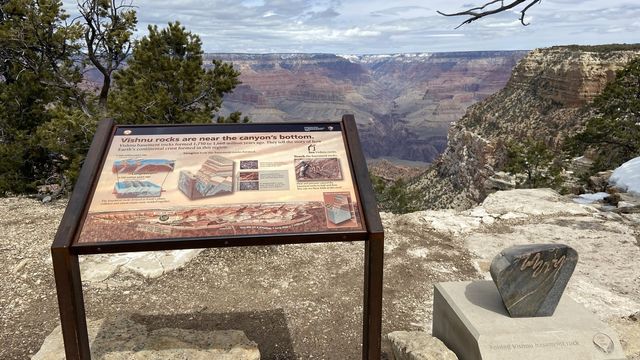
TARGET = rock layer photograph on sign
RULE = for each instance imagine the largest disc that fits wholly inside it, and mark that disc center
(318, 169)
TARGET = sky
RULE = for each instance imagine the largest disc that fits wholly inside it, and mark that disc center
(384, 27)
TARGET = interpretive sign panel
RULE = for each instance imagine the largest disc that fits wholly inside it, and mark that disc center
(163, 187)
(210, 181)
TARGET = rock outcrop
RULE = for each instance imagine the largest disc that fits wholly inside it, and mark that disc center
(403, 103)
(545, 99)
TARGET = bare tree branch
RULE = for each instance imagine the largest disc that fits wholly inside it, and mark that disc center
(108, 27)
(479, 12)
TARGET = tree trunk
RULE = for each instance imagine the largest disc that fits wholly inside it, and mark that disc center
(104, 92)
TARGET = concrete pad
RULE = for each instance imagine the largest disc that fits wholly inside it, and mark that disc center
(470, 318)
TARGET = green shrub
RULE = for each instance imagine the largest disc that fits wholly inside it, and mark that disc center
(393, 196)
(540, 166)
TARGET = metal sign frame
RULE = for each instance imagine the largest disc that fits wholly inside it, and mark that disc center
(65, 249)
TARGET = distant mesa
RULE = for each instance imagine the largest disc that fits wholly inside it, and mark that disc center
(403, 103)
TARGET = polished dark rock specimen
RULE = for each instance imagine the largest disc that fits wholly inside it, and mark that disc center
(532, 278)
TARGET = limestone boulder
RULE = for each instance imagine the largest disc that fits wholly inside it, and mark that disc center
(418, 345)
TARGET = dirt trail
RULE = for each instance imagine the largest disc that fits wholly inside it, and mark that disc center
(295, 301)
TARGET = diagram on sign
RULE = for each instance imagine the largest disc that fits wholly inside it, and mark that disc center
(214, 178)
(139, 176)
(143, 166)
(339, 209)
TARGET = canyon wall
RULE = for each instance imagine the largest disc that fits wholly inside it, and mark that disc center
(546, 99)
(403, 103)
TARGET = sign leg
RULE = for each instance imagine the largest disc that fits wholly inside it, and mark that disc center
(372, 321)
(72, 316)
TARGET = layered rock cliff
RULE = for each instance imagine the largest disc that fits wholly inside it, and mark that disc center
(403, 103)
(546, 99)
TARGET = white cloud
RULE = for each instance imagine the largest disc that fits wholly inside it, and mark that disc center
(373, 26)
(445, 35)
(510, 24)
(357, 32)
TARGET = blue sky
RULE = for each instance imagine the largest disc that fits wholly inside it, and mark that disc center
(380, 27)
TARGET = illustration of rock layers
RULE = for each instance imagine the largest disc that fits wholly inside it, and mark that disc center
(136, 189)
(214, 178)
(140, 188)
(142, 166)
(339, 211)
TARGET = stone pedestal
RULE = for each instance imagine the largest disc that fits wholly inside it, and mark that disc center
(470, 318)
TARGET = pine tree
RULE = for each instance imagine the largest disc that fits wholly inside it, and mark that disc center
(38, 72)
(165, 81)
(533, 158)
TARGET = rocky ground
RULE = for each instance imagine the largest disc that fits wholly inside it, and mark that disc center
(304, 301)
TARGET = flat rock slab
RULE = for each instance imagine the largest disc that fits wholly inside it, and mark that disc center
(149, 264)
(532, 202)
(418, 345)
(470, 319)
(532, 278)
(122, 338)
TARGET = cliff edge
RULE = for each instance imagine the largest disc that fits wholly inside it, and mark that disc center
(547, 99)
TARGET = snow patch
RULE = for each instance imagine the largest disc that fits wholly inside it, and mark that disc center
(627, 177)
(590, 198)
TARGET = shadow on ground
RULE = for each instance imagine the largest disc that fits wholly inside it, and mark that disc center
(266, 328)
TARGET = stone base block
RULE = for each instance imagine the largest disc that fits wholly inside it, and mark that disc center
(470, 318)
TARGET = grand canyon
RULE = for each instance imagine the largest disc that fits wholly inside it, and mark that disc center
(403, 103)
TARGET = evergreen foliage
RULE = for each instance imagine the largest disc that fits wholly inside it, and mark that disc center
(613, 134)
(166, 82)
(533, 158)
(393, 196)
(37, 74)
(605, 48)
(47, 120)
